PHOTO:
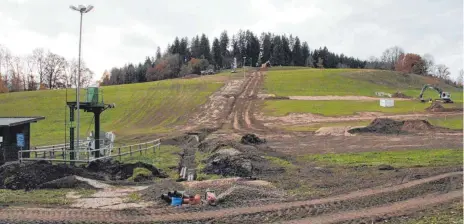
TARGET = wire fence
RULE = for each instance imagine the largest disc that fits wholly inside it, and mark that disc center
(84, 153)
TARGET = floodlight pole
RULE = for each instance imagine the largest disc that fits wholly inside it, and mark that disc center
(81, 9)
(78, 81)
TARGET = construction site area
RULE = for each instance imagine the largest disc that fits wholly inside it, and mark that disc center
(255, 149)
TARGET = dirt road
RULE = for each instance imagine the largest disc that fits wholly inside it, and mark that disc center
(147, 215)
(243, 117)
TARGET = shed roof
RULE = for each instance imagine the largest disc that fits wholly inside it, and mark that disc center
(13, 121)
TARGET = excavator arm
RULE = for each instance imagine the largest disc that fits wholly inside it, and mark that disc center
(443, 95)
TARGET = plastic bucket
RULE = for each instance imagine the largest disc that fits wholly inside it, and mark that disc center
(176, 201)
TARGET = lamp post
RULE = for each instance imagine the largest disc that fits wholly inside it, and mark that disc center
(244, 67)
(81, 9)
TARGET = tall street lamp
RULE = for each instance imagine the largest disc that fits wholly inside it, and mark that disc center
(81, 9)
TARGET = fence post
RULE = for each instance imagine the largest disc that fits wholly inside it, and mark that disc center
(119, 153)
(130, 150)
(140, 149)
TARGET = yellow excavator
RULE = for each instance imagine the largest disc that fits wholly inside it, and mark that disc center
(444, 97)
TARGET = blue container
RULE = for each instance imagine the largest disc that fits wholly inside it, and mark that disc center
(176, 201)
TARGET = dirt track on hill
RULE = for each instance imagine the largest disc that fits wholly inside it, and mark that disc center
(146, 215)
(244, 107)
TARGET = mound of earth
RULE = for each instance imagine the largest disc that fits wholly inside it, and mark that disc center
(389, 126)
(239, 194)
(400, 95)
(39, 174)
(163, 186)
(234, 162)
(435, 107)
(252, 139)
(66, 182)
(121, 171)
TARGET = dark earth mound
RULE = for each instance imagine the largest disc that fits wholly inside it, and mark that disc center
(66, 182)
(252, 139)
(31, 175)
(400, 95)
(437, 107)
(389, 126)
(161, 187)
(121, 171)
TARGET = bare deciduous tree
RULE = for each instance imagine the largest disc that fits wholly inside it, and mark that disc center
(54, 70)
(17, 72)
(390, 56)
(39, 56)
(442, 71)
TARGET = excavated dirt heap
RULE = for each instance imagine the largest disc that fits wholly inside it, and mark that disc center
(39, 174)
(231, 162)
(230, 158)
(252, 139)
(116, 170)
(436, 107)
(400, 95)
(389, 126)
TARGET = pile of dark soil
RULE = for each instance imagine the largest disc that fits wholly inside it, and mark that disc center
(233, 162)
(400, 95)
(252, 139)
(66, 182)
(116, 170)
(40, 174)
(435, 107)
(380, 125)
(238, 194)
(389, 126)
(29, 175)
(162, 186)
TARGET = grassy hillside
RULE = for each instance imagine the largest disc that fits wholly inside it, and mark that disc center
(342, 82)
(141, 109)
(347, 82)
(339, 107)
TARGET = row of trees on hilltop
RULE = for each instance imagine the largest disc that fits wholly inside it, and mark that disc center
(395, 59)
(39, 70)
(192, 55)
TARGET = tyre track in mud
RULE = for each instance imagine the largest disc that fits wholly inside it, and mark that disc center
(146, 215)
(243, 118)
(394, 209)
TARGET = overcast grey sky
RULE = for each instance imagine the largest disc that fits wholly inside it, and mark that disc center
(121, 31)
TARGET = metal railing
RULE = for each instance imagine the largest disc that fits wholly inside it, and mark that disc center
(84, 153)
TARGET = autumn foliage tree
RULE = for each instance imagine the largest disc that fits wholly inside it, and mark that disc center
(411, 63)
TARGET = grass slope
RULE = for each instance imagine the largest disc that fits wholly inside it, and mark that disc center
(338, 107)
(356, 82)
(142, 109)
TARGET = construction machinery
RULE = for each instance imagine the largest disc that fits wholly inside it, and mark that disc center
(444, 97)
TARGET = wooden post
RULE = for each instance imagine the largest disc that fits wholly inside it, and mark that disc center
(119, 153)
(140, 149)
(130, 151)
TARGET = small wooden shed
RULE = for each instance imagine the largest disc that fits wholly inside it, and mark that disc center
(15, 135)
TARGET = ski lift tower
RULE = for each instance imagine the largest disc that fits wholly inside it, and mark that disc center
(94, 104)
